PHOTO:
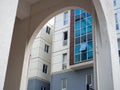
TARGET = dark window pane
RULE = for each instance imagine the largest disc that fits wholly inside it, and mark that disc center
(83, 56)
(48, 30)
(90, 55)
(89, 29)
(77, 58)
(83, 31)
(77, 49)
(89, 37)
(90, 46)
(77, 18)
(77, 40)
(83, 16)
(117, 26)
(83, 39)
(88, 15)
(65, 35)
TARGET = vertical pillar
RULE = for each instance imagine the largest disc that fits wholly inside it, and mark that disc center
(8, 10)
(106, 61)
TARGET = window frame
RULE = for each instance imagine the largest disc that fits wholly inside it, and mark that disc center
(65, 84)
(65, 18)
(46, 48)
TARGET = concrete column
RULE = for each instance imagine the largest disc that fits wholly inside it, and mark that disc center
(7, 17)
(17, 55)
(107, 61)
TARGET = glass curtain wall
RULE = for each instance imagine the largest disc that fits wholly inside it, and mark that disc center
(83, 44)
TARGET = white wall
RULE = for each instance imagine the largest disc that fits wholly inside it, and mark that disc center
(39, 56)
(57, 47)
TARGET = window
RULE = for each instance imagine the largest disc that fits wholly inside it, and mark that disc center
(89, 82)
(116, 21)
(48, 30)
(118, 47)
(114, 1)
(66, 18)
(64, 62)
(83, 44)
(64, 84)
(45, 68)
(43, 88)
(65, 37)
(46, 48)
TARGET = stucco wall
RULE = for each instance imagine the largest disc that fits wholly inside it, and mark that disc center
(76, 80)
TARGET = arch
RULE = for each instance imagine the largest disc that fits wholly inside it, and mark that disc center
(106, 50)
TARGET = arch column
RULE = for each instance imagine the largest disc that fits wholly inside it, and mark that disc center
(107, 67)
(17, 55)
(8, 10)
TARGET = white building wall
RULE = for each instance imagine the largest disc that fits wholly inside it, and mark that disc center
(39, 56)
(117, 10)
(58, 49)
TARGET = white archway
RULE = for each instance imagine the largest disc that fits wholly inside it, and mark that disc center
(106, 53)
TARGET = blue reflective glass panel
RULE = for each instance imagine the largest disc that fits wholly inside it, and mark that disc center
(83, 23)
(77, 49)
(77, 12)
(83, 56)
(77, 18)
(90, 46)
(83, 15)
(89, 37)
(89, 21)
(83, 31)
(77, 58)
(89, 29)
(77, 33)
(77, 40)
(90, 55)
(83, 38)
(88, 15)
(77, 25)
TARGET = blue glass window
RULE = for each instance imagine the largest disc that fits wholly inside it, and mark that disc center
(89, 29)
(77, 25)
(77, 49)
(83, 31)
(83, 47)
(83, 56)
(89, 21)
(77, 40)
(89, 37)
(83, 23)
(88, 15)
(77, 58)
(77, 12)
(90, 46)
(90, 55)
(83, 44)
(83, 38)
(83, 15)
(77, 18)
(77, 33)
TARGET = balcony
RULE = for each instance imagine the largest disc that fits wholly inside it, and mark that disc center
(82, 65)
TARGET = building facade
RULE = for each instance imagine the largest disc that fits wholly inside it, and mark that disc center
(40, 60)
(72, 52)
(117, 20)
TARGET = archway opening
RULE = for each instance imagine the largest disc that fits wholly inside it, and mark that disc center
(62, 55)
